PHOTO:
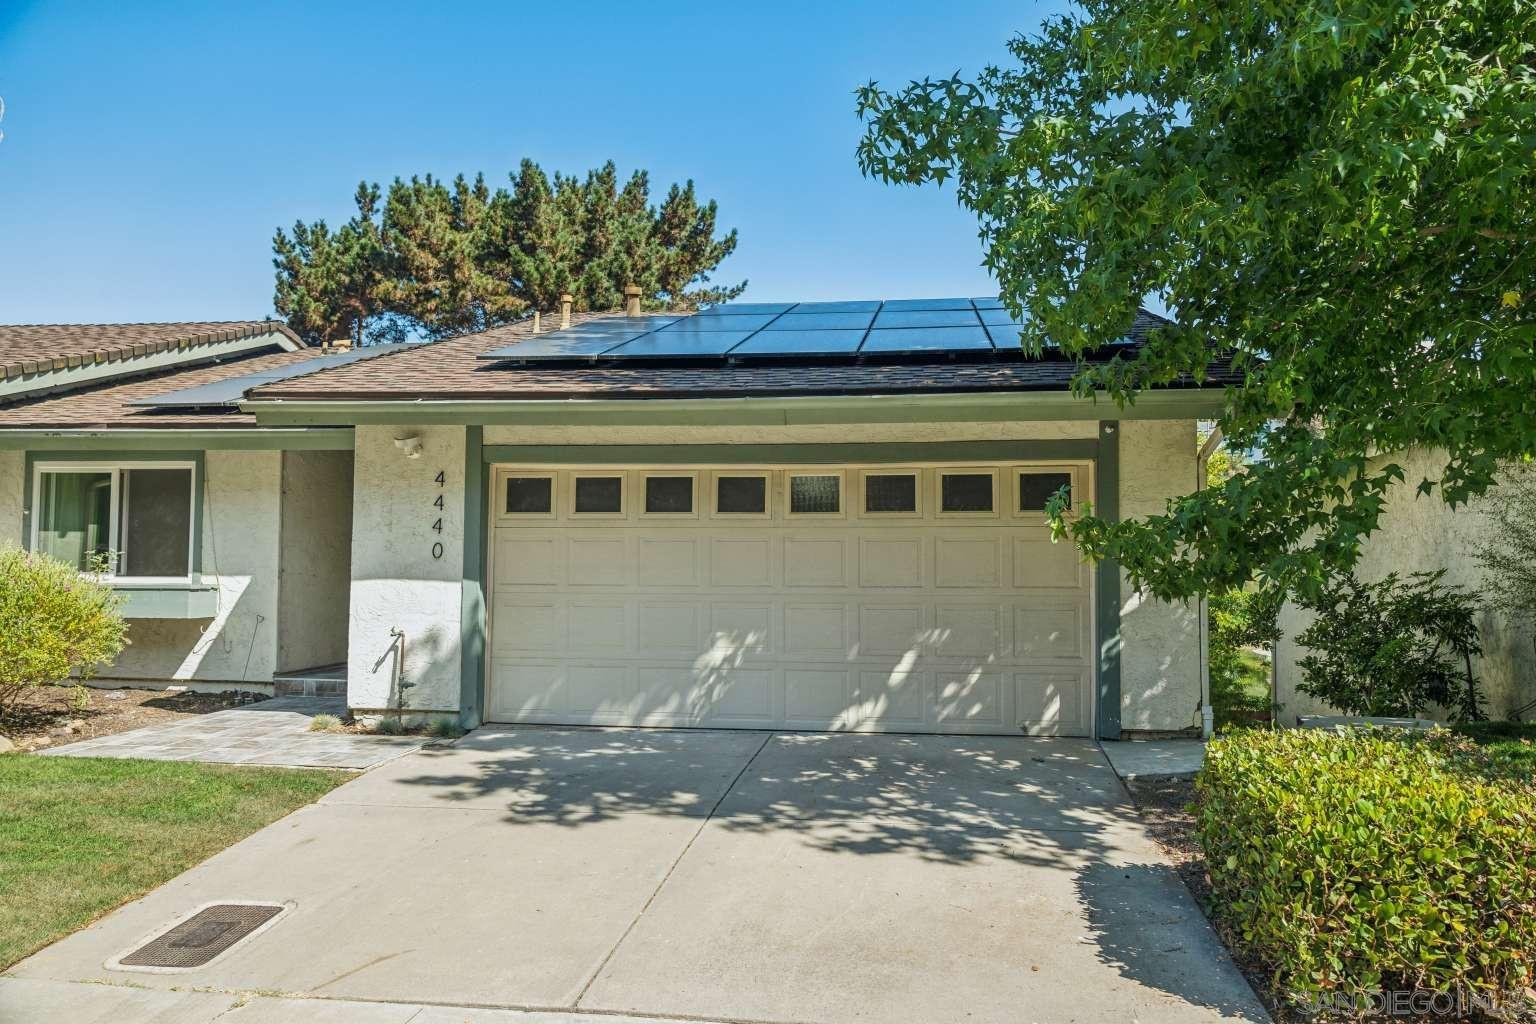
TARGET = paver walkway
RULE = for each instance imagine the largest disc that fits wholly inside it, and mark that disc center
(272, 732)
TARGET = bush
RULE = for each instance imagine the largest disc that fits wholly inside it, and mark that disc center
(444, 728)
(1239, 620)
(1392, 648)
(324, 723)
(54, 622)
(1369, 861)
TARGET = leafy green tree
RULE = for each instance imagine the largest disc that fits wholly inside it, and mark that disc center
(432, 258)
(1338, 200)
(1508, 555)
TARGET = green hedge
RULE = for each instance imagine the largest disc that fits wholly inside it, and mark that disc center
(1368, 862)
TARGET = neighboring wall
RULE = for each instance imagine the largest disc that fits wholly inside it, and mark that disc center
(1422, 533)
(12, 494)
(240, 546)
(315, 557)
(1160, 655)
(399, 579)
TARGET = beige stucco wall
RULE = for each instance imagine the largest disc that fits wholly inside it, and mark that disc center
(241, 492)
(316, 559)
(12, 493)
(397, 583)
(1423, 533)
(1160, 653)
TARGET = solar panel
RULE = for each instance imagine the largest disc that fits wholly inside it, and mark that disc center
(231, 390)
(1000, 317)
(561, 345)
(792, 344)
(828, 321)
(733, 308)
(679, 345)
(858, 306)
(927, 339)
(926, 318)
(711, 322)
(894, 304)
(987, 302)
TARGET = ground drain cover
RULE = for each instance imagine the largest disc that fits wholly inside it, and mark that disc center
(198, 940)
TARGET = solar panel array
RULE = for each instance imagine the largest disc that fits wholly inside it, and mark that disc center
(231, 390)
(783, 330)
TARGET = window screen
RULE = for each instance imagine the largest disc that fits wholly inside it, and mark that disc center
(812, 494)
(669, 494)
(155, 522)
(1035, 489)
(75, 517)
(890, 493)
(741, 495)
(599, 494)
(530, 495)
(966, 492)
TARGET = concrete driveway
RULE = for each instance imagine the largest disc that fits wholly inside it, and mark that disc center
(711, 875)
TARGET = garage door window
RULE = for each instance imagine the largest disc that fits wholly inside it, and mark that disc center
(668, 495)
(741, 495)
(598, 495)
(966, 493)
(1035, 489)
(530, 496)
(818, 495)
(890, 493)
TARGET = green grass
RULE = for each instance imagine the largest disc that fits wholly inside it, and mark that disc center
(1511, 744)
(82, 836)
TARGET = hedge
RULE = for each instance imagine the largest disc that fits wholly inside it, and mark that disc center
(1368, 862)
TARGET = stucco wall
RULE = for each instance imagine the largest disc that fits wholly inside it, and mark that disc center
(1421, 533)
(397, 583)
(1160, 654)
(12, 493)
(819, 433)
(316, 559)
(240, 552)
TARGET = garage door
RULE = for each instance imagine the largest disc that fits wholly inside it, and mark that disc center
(872, 598)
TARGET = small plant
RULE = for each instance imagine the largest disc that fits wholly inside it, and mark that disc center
(389, 726)
(1369, 862)
(1393, 648)
(324, 723)
(54, 623)
(79, 698)
(444, 728)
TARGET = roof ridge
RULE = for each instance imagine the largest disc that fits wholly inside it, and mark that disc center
(147, 323)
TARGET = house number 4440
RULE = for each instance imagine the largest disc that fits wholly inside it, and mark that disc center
(438, 505)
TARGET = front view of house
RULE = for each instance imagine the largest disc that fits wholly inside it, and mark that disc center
(819, 516)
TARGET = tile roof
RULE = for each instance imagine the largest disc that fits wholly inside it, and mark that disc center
(33, 348)
(451, 369)
(105, 405)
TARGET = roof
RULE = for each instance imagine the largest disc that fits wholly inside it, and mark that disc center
(105, 405)
(34, 348)
(453, 370)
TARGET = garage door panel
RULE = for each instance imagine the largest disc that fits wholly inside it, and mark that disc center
(901, 621)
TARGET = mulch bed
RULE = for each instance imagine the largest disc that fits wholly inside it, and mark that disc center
(46, 715)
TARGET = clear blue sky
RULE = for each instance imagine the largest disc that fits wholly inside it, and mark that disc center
(151, 148)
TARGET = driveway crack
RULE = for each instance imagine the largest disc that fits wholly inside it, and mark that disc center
(576, 1003)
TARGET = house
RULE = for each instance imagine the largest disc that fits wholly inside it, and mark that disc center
(1421, 533)
(804, 516)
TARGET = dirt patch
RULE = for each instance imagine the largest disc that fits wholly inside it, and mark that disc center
(48, 715)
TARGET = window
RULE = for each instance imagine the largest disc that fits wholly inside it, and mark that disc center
(599, 495)
(965, 492)
(530, 496)
(131, 520)
(816, 495)
(669, 495)
(886, 493)
(741, 495)
(1035, 489)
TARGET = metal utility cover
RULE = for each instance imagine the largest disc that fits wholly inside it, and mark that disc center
(199, 939)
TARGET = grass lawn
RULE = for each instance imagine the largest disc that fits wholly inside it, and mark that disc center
(82, 836)
(1512, 744)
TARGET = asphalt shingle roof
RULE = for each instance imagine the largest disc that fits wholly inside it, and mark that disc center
(33, 348)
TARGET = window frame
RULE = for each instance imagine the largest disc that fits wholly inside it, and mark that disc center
(693, 505)
(938, 491)
(842, 493)
(767, 477)
(499, 497)
(917, 493)
(115, 468)
(622, 477)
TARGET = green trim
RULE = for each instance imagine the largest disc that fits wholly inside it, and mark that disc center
(977, 407)
(168, 602)
(307, 439)
(199, 487)
(1107, 585)
(472, 600)
(775, 454)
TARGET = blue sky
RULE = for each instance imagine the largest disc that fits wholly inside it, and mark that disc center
(151, 148)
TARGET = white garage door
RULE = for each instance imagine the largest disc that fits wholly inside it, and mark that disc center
(891, 598)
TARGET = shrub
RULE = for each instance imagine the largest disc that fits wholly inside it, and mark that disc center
(324, 723)
(389, 727)
(54, 622)
(1393, 647)
(444, 728)
(1239, 620)
(1369, 861)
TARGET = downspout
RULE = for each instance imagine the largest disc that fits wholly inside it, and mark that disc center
(1207, 713)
